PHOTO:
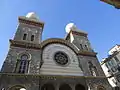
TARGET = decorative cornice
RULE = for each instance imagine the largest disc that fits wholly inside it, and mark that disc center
(78, 33)
(31, 22)
(87, 53)
(24, 44)
(67, 36)
(52, 76)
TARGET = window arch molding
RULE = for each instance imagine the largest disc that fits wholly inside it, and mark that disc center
(22, 63)
(100, 87)
(17, 87)
(24, 53)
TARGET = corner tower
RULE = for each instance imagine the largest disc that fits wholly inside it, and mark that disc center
(24, 53)
(78, 38)
(29, 29)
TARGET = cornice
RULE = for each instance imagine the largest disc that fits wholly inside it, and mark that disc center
(75, 33)
(52, 76)
(43, 44)
(78, 33)
(31, 22)
(24, 44)
(87, 53)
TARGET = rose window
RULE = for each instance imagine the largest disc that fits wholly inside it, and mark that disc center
(61, 58)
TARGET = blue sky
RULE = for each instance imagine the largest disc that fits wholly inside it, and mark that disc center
(100, 20)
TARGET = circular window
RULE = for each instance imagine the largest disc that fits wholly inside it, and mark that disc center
(61, 58)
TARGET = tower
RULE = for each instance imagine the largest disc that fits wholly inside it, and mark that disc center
(52, 64)
(24, 45)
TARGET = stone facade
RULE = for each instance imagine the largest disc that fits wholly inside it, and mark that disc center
(31, 63)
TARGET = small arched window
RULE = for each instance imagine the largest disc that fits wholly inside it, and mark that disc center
(86, 47)
(32, 38)
(22, 64)
(24, 36)
(81, 47)
(93, 69)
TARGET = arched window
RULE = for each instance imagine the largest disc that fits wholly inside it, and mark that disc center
(24, 36)
(93, 69)
(32, 38)
(86, 47)
(22, 64)
(81, 46)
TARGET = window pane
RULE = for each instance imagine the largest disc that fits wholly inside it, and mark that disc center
(116, 59)
(24, 57)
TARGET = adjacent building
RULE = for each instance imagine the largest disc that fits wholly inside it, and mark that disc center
(54, 64)
(111, 66)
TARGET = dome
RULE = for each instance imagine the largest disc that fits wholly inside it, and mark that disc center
(32, 16)
(69, 27)
(72, 26)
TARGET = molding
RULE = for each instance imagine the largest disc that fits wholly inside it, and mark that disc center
(87, 53)
(43, 44)
(52, 76)
(31, 22)
(58, 40)
(24, 44)
(78, 33)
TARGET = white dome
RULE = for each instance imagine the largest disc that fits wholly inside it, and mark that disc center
(69, 27)
(33, 16)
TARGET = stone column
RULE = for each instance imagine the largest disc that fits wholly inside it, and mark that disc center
(72, 86)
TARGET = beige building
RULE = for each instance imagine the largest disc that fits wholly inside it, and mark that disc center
(54, 64)
(111, 66)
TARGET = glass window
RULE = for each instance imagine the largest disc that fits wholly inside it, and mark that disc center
(86, 47)
(24, 36)
(22, 64)
(116, 59)
(81, 47)
(110, 63)
(32, 38)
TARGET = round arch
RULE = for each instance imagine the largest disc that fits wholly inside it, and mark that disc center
(17, 87)
(61, 41)
(79, 87)
(65, 87)
(48, 87)
(100, 87)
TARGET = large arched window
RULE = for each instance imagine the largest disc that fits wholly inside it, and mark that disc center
(47, 87)
(22, 64)
(65, 87)
(79, 87)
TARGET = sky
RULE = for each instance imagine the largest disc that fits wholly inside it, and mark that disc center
(99, 19)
